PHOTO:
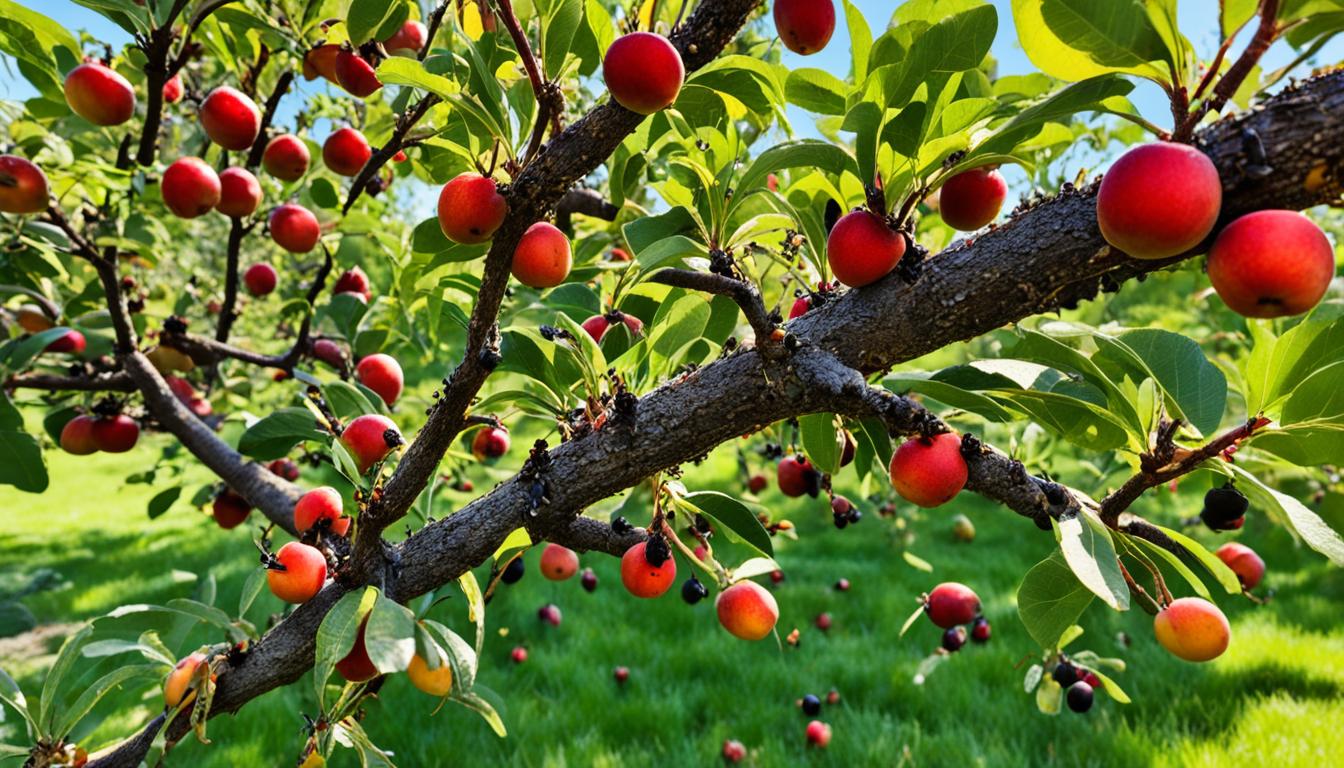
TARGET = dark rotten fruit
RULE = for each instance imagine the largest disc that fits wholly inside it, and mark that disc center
(1079, 697)
(1159, 200)
(1224, 508)
(643, 72)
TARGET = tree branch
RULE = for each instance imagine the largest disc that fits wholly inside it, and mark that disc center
(111, 382)
(1042, 258)
(740, 291)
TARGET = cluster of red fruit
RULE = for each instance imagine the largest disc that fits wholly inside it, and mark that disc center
(1162, 200)
(951, 606)
(352, 69)
(86, 434)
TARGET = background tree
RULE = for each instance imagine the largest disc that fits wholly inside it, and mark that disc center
(656, 239)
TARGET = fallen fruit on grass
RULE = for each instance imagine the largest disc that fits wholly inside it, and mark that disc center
(818, 734)
(558, 563)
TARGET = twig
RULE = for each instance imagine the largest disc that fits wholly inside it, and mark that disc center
(405, 123)
(112, 382)
(544, 94)
(1182, 462)
(267, 115)
(741, 291)
(435, 19)
(1229, 83)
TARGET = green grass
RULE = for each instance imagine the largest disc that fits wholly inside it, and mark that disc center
(1274, 698)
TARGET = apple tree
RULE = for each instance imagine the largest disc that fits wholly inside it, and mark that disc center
(209, 233)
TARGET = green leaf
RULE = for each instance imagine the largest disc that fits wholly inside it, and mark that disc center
(735, 519)
(803, 153)
(1307, 524)
(276, 435)
(389, 636)
(21, 463)
(474, 701)
(399, 70)
(1175, 562)
(163, 501)
(346, 400)
(1211, 562)
(816, 90)
(336, 635)
(90, 696)
(669, 252)
(679, 324)
(821, 441)
(954, 44)
(1061, 106)
(1050, 600)
(561, 23)
(16, 355)
(860, 40)
(45, 715)
(1090, 554)
(1196, 390)
(1076, 39)
(256, 579)
(375, 19)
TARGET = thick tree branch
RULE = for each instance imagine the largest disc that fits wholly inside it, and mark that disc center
(586, 202)
(1043, 258)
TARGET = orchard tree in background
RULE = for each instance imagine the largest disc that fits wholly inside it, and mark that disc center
(190, 251)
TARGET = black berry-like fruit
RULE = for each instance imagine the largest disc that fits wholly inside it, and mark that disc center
(855, 516)
(840, 521)
(1065, 674)
(980, 631)
(1080, 696)
(954, 638)
(513, 571)
(692, 591)
(1224, 508)
(811, 705)
(588, 579)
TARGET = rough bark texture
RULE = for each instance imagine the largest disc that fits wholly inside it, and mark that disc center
(1045, 257)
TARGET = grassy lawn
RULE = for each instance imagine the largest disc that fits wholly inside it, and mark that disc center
(1275, 697)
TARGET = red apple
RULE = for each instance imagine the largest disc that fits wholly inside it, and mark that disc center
(805, 26)
(239, 193)
(230, 118)
(1159, 200)
(23, 186)
(260, 279)
(971, 199)
(356, 75)
(382, 374)
(643, 72)
(862, 249)
(190, 188)
(294, 228)
(1271, 264)
(471, 208)
(345, 152)
(172, 90)
(99, 95)
(542, 258)
(286, 157)
(408, 40)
